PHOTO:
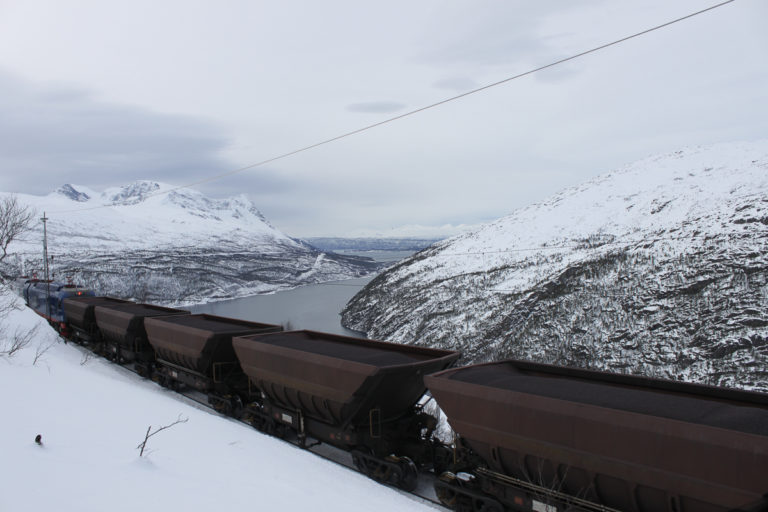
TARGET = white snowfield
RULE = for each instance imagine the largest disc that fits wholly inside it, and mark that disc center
(92, 415)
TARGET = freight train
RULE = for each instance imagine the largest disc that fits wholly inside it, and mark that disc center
(529, 437)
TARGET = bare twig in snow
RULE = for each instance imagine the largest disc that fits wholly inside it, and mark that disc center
(149, 433)
(87, 356)
(17, 341)
(7, 307)
(41, 350)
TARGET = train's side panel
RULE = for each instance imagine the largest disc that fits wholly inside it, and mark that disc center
(80, 310)
(196, 342)
(338, 379)
(628, 443)
(122, 326)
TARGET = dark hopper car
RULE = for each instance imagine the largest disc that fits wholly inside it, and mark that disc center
(196, 351)
(123, 336)
(80, 315)
(588, 439)
(357, 394)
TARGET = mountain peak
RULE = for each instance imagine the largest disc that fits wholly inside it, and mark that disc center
(72, 193)
(133, 193)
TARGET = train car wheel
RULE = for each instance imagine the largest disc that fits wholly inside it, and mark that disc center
(447, 497)
(359, 463)
(409, 476)
(360, 460)
(445, 493)
(490, 507)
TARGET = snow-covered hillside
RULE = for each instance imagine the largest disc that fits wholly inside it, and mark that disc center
(658, 268)
(144, 215)
(151, 242)
(92, 415)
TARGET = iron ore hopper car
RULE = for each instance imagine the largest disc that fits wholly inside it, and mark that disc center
(541, 437)
(81, 316)
(123, 335)
(196, 351)
(357, 394)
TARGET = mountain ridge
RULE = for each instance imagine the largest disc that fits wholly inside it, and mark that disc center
(658, 268)
(151, 241)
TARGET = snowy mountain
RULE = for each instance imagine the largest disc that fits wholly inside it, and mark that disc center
(152, 242)
(658, 268)
(92, 414)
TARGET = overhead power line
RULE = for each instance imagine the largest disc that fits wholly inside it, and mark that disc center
(422, 109)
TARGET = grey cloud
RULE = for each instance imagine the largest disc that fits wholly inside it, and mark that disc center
(489, 38)
(559, 73)
(58, 130)
(381, 107)
(508, 36)
(259, 182)
(458, 84)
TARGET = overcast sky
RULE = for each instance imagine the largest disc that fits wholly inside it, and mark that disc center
(102, 93)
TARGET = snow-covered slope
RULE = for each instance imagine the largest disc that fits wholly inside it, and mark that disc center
(657, 268)
(92, 415)
(144, 215)
(152, 242)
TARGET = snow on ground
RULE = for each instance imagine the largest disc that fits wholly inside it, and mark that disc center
(92, 415)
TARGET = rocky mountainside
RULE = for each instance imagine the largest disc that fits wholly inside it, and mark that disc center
(154, 243)
(659, 268)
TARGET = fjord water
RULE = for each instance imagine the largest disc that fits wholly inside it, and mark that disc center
(316, 307)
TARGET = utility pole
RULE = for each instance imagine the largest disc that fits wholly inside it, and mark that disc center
(45, 268)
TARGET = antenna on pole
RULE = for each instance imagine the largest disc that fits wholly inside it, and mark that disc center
(45, 268)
